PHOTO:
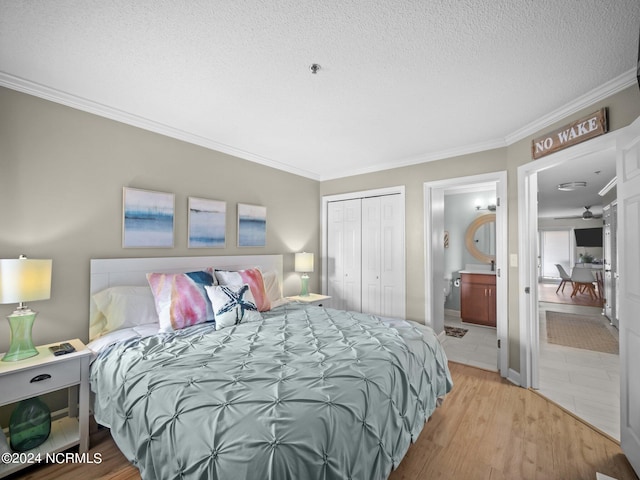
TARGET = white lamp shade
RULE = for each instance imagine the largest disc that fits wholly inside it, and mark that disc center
(304, 262)
(24, 280)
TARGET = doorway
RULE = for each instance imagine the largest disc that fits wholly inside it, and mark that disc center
(435, 270)
(580, 378)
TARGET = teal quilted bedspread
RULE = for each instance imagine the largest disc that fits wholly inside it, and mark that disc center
(305, 393)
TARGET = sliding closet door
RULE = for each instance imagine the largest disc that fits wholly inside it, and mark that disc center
(371, 258)
(344, 254)
(383, 256)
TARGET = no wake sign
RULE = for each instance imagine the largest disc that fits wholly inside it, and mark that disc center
(572, 134)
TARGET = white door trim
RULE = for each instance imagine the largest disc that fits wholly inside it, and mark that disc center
(434, 249)
(527, 247)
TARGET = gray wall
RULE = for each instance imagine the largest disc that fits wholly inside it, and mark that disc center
(61, 177)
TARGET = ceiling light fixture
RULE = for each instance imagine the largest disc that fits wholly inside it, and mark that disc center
(314, 67)
(587, 214)
(608, 186)
(571, 186)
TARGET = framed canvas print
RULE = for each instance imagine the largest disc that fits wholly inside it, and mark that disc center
(207, 223)
(252, 225)
(147, 218)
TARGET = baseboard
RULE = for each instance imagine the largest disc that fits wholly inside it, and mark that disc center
(453, 313)
(514, 377)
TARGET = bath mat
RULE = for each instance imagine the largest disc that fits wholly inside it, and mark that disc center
(455, 332)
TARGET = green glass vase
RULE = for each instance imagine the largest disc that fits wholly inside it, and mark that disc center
(30, 424)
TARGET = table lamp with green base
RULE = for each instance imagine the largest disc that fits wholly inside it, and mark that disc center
(23, 280)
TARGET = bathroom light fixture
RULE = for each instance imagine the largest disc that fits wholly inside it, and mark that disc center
(23, 280)
(571, 186)
(491, 207)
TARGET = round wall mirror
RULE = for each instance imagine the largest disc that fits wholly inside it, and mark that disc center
(480, 238)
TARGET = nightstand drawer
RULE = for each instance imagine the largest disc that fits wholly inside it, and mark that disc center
(35, 381)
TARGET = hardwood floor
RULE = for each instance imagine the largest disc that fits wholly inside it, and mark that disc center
(487, 429)
(547, 293)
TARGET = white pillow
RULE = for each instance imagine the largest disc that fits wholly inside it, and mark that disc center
(122, 307)
(272, 286)
(232, 304)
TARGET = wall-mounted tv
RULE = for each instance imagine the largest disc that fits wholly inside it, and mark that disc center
(588, 237)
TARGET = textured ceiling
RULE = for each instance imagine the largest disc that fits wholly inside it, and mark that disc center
(401, 81)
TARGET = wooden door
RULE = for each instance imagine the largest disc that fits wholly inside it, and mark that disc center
(478, 299)
(491, 306)
(473, 306)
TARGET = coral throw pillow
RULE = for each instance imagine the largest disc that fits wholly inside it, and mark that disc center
(180, 298)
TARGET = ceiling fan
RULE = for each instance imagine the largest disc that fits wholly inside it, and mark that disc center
(586, 215)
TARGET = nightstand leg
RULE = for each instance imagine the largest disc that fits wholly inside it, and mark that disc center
(84, 406)
(73, 401)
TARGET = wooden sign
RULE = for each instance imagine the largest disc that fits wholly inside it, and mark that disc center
(584, 129)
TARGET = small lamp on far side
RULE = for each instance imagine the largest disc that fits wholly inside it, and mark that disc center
(23, 280)
(304, 265)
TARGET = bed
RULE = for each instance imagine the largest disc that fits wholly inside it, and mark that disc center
(294, 391)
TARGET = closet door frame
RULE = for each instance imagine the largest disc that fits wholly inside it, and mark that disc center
(398, 190)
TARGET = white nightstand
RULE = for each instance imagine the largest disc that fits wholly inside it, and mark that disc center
(46, 373)
(312, 298)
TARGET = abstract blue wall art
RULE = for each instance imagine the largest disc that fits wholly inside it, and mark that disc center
(207, 223)
(252, 225)
(147, 219)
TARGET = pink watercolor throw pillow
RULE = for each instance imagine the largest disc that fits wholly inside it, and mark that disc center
(251, 277)
(181, 299)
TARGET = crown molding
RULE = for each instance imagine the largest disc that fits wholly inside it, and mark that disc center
(89, 106)
(418, 159)
(612, 87)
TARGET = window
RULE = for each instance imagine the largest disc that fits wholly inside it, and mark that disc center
(555, 247)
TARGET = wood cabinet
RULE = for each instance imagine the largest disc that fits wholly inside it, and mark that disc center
(478, 299)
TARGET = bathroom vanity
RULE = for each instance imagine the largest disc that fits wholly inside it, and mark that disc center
(478, 298)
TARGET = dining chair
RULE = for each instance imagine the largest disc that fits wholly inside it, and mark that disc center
(600, 283)
(565, 277)
(583, 281)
